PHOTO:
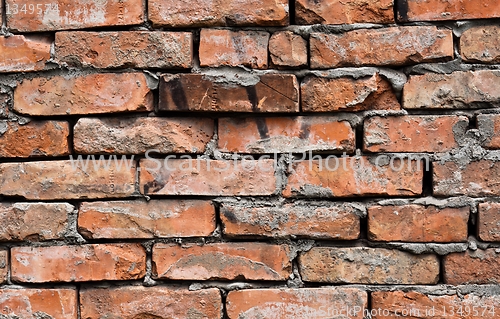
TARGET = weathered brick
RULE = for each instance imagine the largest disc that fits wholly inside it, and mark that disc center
(367, 266)
(34, 221)
(218, 13)
(150, 302)
(39, 303)
(53, 15)
(488, 223)
(489, 127)
(343, 12)
(438, 10)
(389, 46)
(4, 267)
(285, 134)
(481, 44)
(453, 91)
(24, 53)
(287, 49)
(231, 48)
(417, 223)
(207, 177)
(478, 178)
(259, 94)
(35, 139)
(347, 94)
(125, 49)
(87, 94)
(141, 219)
(67, 179)
(472, 267)
(349, 176)
(138, 135)
(305, 219)
(305, 303)
(412, 133)
(251, 261)
(78, 263)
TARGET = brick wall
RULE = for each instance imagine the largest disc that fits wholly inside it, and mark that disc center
(250, 159)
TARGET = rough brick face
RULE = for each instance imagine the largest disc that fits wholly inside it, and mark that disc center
(24, 53)
(472, 267)
(285, 134)
(251, 261)
(489, 126)
(287, 50)
(4, 266)
(78, 263)
(437, 10)
(481, 44)
(488, 223)
(140, 219)
(39, 303)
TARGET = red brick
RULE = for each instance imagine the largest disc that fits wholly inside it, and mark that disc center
(389, 46)
(349, 176)
(305, 219)
(344, 12)
(288, 49)
(230, 48)
(481, 44)
(361, 265)
(171, 13)
(438, 10)
(250, 261)
(138, 135)
(34, 221)
(125, 49)
(66, 14)
(285, 134)
(478, 178)
(347, 94)
(260, 94)
(35, 139)
(150, 302)
(489, 127)
(416, 223)
(4, 267)
(453, 91)
(305, 303)
(78, 263)
(488, 223)
(472, 267)
(24, 53)
(38, 303)
(141, 219)
(207, 177)
(60, 180)
(414, 133)
(87, 94)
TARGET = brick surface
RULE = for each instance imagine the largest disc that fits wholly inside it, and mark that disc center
(230, 48)
(87, 94)
(35, 139)
(343, 12)
(355, 176)
(24, 53)
(218, 13)
(416, 223)
(472, 267)
(367, 266)
(138, 135)
(390, 46)
(150, 302)
(481, 44)
(287, 50)
(66, 14)
(347, 94)
(38, 303)
(141, 219)
(207, 177)
(305, 219)
(34, 221)
(125, 49)
(489, 126)
(305, 303)
(453, 91)
(411, 133)
(250, 261)
(260, 94)
(62, 180)
(285, 134)
(78, 263)
(488, 223)
(437, 10)
(4, 266)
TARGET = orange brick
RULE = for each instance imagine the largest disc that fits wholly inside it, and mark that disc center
(22, 53)
(472, 267)
(488, 223)
(39, 303)
(4, 266)
(489, 127)
(288, 49)
(437, 10)
(481, 44)
(78, 263)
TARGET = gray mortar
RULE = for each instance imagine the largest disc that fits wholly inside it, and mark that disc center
(71, 234)
(231, 77)
(152, 79)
